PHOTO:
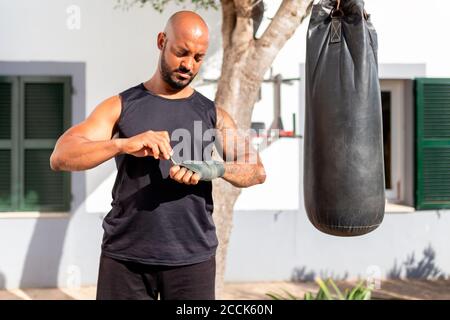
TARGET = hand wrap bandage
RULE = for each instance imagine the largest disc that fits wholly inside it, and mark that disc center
(207, 170)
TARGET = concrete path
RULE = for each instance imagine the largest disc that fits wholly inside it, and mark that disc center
(392, 289)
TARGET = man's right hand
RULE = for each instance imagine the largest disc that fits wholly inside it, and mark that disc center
(149, 143)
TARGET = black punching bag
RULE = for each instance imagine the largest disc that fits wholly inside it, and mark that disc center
(343, 151)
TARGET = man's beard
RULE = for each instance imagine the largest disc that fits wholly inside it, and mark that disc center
(170, 77)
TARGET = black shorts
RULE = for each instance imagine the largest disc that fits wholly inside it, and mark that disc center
(124, 280)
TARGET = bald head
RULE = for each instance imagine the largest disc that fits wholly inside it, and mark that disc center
(183, 45)
(187, 24)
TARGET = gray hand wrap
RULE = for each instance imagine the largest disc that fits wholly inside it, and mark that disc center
(208, 170)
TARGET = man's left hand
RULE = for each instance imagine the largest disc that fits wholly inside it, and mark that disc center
(183, 175)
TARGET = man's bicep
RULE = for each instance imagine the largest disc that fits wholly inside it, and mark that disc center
(100, 125)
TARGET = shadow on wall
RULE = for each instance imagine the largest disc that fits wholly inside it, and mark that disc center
(411, 268)
(44, 253)
(425, 268)
(43, 257)
(300, 274)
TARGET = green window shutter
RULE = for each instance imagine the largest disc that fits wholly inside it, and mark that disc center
(44, 189)
(7, 98)
(5, 109)
(46, 115)
(5, 180)
(432, 143)
(44, 110)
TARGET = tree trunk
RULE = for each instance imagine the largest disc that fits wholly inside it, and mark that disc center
(245, 61)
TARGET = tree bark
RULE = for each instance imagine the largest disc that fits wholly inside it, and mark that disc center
(245, 61)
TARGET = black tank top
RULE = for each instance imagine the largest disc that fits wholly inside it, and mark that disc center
(154, 219)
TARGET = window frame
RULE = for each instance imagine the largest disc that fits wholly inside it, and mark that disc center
(396, 88)
(19, 144)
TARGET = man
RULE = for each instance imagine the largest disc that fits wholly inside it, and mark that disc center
(159, 237)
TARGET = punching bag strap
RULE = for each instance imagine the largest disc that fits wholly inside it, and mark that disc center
(336, 27)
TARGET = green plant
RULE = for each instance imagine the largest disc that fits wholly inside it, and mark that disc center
(359, 292)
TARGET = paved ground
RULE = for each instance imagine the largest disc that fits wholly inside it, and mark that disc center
(398, 289)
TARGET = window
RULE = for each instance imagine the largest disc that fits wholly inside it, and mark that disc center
(387, 141)
(34, 112)
(433, 143)
(394, 139)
